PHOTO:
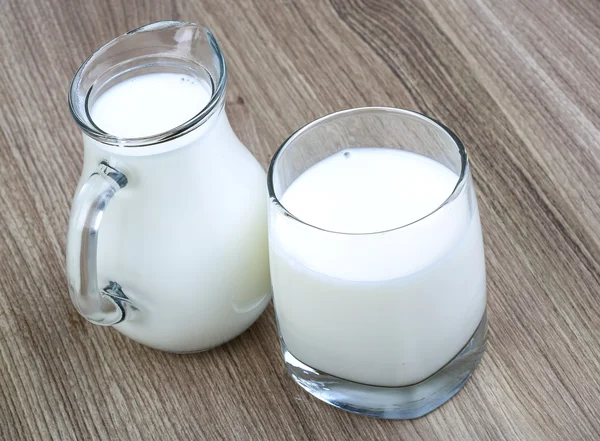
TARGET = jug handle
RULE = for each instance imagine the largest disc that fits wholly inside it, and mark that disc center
(110, 305)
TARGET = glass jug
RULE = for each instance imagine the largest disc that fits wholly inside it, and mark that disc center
(167, 237)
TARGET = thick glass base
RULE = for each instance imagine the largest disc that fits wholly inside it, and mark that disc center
(404, 402)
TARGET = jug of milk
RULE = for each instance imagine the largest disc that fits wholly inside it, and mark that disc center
(167, 237)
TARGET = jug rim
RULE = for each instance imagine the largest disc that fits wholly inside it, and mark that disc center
(79, 108)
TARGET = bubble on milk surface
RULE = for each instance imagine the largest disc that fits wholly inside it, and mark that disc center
(187, 80)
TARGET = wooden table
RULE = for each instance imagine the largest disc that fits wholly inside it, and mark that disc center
(519, 82)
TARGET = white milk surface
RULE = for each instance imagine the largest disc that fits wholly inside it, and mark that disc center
(186, 238)
(386, 309)
(149, 104)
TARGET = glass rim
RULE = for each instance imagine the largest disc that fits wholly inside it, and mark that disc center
(464, 164)
(217, 93)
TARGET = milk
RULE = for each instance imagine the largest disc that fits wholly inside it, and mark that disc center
(186, 238)
(387, 309)
(149, 104)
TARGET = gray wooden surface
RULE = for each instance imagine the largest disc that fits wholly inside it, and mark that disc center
(518, 80)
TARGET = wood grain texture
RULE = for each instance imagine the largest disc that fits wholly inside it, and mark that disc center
(517, 81)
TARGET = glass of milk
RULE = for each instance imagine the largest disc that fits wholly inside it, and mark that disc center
(377, 262)
(167, 238)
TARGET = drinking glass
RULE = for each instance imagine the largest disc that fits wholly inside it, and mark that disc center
(387, 324)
